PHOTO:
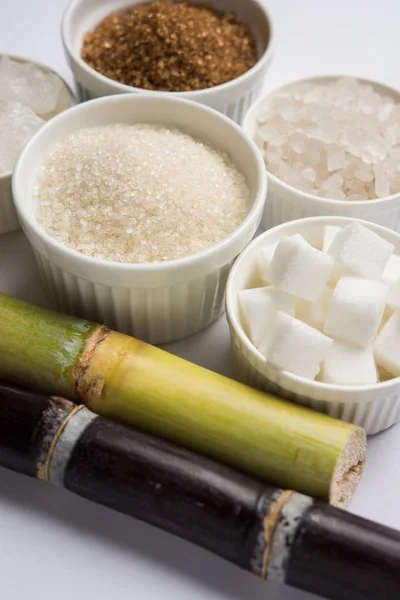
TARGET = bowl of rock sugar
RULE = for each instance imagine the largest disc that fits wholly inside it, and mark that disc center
(30, 94)
(136, 207)
(313, 308)
(331, 146)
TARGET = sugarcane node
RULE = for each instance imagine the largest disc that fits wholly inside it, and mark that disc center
(59, 403)
(55, 414)
(92, 389)
(270, 523)
(263, 541)
(43, 472)
(284, 534)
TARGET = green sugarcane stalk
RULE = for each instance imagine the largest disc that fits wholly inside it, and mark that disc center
(122, 378)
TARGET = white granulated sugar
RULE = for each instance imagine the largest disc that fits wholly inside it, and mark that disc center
(139, 193)
(17, 124)
(339, 140)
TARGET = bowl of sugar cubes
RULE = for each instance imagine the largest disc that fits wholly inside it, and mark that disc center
(313, 308)
(331, 146)
(30, 94)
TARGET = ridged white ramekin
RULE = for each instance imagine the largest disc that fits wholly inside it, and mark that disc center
(285, 203)
(8, 215)
(232, 99)
(157, 302)
(373, 407)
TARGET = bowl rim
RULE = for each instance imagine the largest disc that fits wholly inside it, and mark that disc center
(189, 95)
(125, 267)
(42, 66)
(239, 331)
(253, 109)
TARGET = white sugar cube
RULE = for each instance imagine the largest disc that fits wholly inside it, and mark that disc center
(356, 309)
(294, 346)
(259, 306)
(329, 233)
(266, 256)
(394, 296)
(314, 313)
(299, 269)
(264, 261)
(392, 270)
(387, 313)
(387, 346)
(384, 375)
(361, 251)
(347, 364)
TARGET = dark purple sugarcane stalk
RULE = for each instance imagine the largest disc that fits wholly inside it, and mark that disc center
(275, 534)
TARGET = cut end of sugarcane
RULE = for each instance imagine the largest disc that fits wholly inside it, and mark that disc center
(349, 469)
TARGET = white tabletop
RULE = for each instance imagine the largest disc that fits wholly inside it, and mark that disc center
(54, 544)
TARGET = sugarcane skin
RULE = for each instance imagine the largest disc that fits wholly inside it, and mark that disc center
(270, 532)
(146, 477)
(47, 345)
(140, 385)
(270, 438)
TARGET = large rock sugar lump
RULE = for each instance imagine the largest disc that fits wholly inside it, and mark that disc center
(27, 83)
(17, 124)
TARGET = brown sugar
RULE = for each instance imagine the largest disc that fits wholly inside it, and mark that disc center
(170, 46)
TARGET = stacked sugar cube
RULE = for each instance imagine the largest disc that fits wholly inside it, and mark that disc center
(331, 314)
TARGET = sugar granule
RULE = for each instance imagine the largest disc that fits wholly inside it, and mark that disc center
(170, 46)
(338, 140)
(138, 193)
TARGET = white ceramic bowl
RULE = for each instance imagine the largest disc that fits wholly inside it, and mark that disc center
(286, 203)
(373, 407)
(156, 302)
(232, 98)
(8, 216)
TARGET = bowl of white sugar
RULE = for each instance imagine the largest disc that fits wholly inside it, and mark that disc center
(136, 208)
(331, 146)
(314, 313)
(30, 94)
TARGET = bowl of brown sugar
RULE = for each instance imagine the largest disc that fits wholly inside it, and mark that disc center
(216, 54)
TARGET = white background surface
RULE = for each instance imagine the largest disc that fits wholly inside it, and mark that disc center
(55, 545)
